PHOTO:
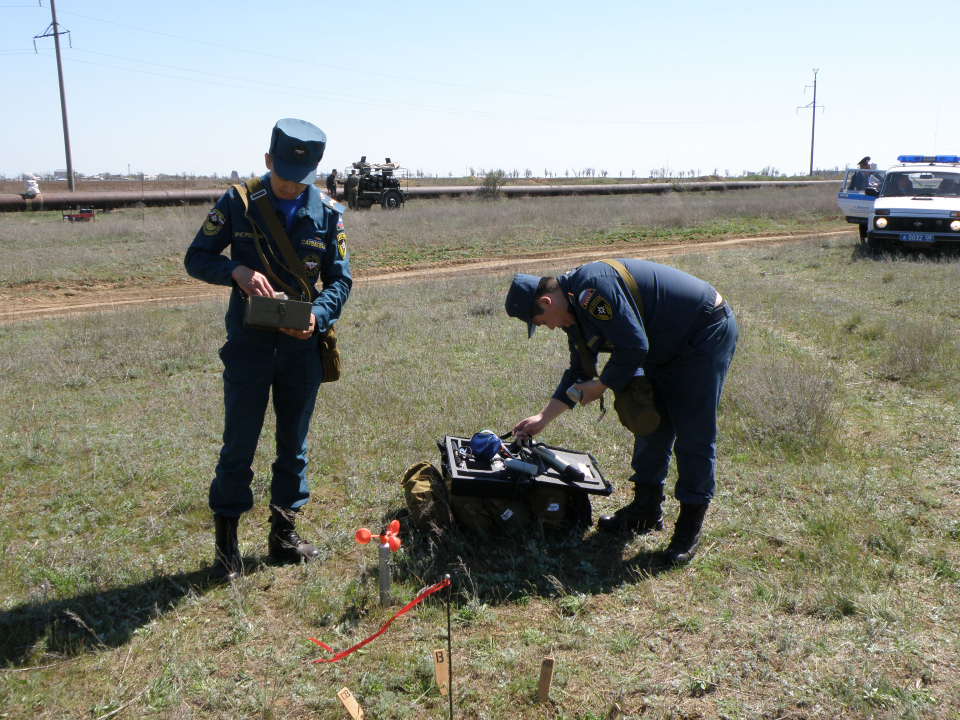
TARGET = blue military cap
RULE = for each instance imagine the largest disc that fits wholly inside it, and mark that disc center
(296, 147)
(520, 298)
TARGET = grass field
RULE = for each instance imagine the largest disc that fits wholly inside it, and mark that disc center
(134, 247)
(828, 584)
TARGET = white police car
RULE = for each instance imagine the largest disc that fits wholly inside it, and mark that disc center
(854, 203)
(918, 204)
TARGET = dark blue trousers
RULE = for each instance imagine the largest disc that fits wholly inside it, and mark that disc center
(249, 375)
(688, 392)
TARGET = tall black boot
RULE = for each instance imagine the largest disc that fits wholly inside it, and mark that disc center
(686, 535)
(227, 563)
(284, 543)
(640, 516)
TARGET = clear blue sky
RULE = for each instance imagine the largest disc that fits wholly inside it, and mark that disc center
(442, 86)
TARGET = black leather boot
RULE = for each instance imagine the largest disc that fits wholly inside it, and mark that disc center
(284, 543)
(640, 516)
(227, 563)
(686, 535)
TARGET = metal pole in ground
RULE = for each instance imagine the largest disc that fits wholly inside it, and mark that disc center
(54, 30)
(385, 575)
(449, 648)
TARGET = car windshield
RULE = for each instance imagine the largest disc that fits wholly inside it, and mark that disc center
(939, 183)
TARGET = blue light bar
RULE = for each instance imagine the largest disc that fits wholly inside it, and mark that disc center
(948, 158)
(913, 158)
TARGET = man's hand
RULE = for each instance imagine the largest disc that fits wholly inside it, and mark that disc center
(252, 282)
(528, 427)
(592, 390)
(302, 334)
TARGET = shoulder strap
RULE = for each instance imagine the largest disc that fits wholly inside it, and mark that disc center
(279, 235)
(587, 359)
(629, 282)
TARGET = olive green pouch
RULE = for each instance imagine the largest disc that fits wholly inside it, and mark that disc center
(635, 407)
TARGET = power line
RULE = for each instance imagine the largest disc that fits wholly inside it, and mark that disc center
(398, 77)
(398, 105)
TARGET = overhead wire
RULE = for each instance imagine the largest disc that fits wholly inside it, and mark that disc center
(389, 76)
(295, 91)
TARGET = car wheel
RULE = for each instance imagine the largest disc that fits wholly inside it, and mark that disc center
(391, 200)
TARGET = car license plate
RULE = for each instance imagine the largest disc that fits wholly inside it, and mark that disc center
(916, 237)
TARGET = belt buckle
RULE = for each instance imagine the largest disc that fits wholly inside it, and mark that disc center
(259, 194)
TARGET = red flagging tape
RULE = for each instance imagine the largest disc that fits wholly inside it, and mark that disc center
(417, 600)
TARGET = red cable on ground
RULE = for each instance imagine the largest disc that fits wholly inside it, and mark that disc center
(418, 599)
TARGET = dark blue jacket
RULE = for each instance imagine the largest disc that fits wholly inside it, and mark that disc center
(674, 305)
(317, 237)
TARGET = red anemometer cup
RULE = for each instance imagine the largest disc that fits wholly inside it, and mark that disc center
(388, 537)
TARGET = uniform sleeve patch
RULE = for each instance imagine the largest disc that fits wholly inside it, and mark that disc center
(342, 246)
(317, 243)
(585, 297)
(340, 223)
(213, 223)
(600, 309)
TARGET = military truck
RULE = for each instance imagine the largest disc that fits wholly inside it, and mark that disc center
(378, 184)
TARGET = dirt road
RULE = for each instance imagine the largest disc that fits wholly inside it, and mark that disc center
(26, 306)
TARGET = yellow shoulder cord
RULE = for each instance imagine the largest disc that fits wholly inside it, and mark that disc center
(629, 282)
(294, 266)
(589, 362)
(635, 293)
(257, 232)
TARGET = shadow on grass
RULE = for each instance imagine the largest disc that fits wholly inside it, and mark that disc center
(95, 620)
(886, 253)
(506, 566)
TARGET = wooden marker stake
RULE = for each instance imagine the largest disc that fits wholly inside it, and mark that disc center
(442, 670)
(351, 704)
(546, 678)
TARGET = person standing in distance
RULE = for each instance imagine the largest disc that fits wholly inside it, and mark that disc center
(332, 184)
(352, 187)
(286, 362)
(671, 338)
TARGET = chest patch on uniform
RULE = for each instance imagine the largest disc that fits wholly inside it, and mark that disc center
(342, 245)
(600, 309)
(585, 296)
(314, 243)
(213, 223)
(311, 263)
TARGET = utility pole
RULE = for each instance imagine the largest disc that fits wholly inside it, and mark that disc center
(813, 105)
(54, 30)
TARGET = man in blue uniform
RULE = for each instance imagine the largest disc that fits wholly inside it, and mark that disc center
(257, 361)
(671, 338)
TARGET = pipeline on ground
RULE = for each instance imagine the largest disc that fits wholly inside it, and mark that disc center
(167, 198)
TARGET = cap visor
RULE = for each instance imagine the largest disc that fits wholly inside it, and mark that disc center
(305, 174)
